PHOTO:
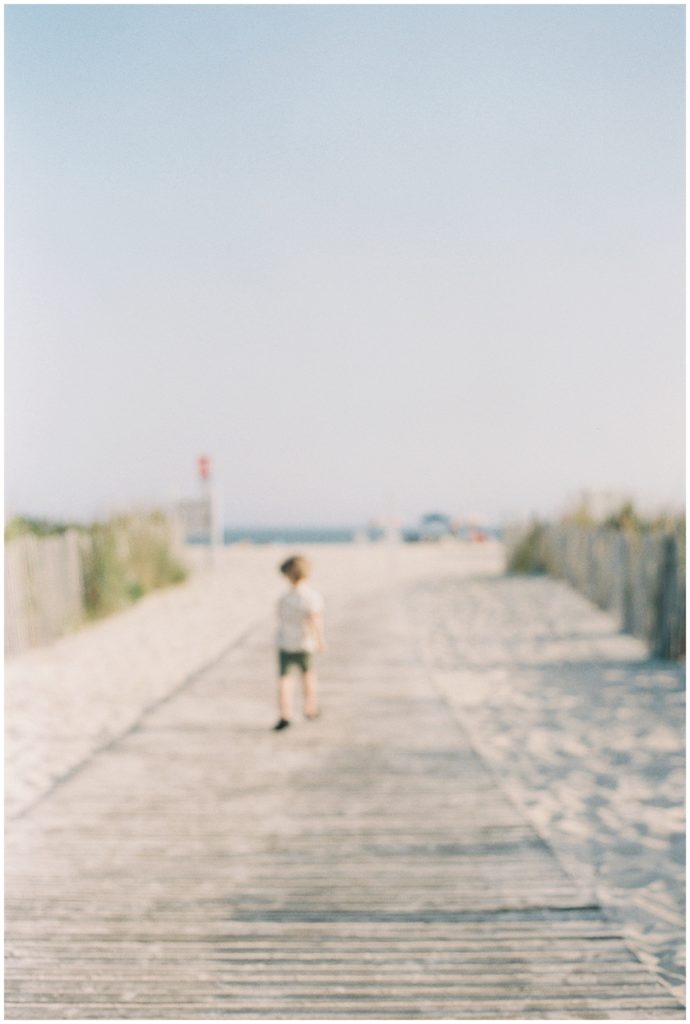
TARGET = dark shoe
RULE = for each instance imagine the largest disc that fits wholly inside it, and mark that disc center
(282, 723)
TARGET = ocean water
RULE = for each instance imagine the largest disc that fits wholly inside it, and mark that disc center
(289, 535)
(311, 535)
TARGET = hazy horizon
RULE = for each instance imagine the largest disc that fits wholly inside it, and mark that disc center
(367, 258)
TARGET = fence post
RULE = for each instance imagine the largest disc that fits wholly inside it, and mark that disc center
(663, 625)
(628, 609)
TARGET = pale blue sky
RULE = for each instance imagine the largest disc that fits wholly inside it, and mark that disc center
(349, 251)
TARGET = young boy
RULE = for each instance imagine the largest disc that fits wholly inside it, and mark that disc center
(300, 633)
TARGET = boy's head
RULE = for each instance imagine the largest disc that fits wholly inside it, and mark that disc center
(296, 568)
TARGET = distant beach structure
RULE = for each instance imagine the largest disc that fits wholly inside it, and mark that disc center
(436, 526)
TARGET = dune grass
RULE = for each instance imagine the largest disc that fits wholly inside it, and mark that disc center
(122, 559)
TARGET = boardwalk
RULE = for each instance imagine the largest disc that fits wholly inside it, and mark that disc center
(367, 865)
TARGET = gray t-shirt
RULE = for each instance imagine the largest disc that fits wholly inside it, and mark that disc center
(295, 633)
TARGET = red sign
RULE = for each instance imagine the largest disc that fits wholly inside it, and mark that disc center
(204, 464)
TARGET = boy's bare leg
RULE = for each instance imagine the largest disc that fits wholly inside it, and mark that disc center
(311, 707)
(285, 697)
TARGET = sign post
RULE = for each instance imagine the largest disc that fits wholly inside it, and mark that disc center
(204, 469)
(201, 516)
(204, 465)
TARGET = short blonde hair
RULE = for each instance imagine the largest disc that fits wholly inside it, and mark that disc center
(296, 568)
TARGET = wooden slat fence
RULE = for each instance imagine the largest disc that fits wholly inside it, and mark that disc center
(639, 577)
(45, 578)
(43, 589)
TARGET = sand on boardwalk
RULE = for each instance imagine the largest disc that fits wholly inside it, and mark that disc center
(583, 731)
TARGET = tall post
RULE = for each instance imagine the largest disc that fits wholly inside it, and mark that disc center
(665, 605)
(208, 498)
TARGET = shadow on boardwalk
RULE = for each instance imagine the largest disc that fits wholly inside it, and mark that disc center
(365, 865)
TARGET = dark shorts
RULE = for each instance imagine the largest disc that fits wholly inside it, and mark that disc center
(302, 659)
